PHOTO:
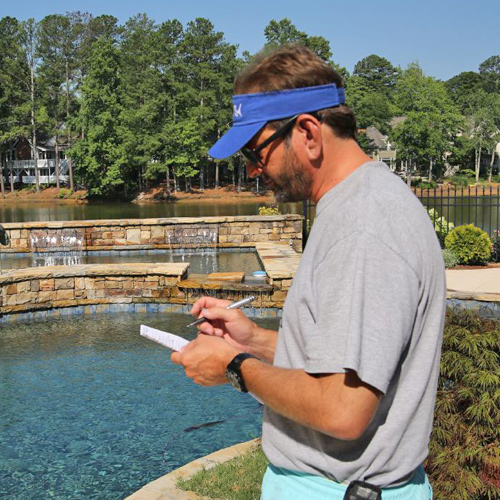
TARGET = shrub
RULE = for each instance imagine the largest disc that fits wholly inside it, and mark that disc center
(65, 193)
(461, 181)
(495, 246)
(470, 244)
(269, 211)
(427, 184)
(441, 225)
(464, 459)
(450, 259)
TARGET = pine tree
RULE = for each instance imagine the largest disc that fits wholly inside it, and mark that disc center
(100, 156)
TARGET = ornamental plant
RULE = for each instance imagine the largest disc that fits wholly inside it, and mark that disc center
(441, 225)
(269, 210)
(470, 244)
(464, 458)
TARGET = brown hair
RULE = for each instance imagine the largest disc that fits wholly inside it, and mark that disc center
(294, 66)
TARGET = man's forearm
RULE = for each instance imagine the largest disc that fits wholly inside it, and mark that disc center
(339, 405)
(263, 344)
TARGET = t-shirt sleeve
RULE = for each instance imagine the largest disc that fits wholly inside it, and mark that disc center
(367, 298)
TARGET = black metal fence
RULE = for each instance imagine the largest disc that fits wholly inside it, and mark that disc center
(476, 205)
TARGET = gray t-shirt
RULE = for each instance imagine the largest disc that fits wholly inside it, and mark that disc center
(369, 296)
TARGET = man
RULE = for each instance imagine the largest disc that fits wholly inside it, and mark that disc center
(349, 381)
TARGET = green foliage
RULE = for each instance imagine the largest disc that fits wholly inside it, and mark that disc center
(495, 246)
(373, 109)
(470, 244)
(441, 225)
(427, 184)
(450, 259)
(377, 75)
(269, 210)
(65, 193)
(237, 479)
(100, 157)
(490, 71)
(464, 461)
(282, 32)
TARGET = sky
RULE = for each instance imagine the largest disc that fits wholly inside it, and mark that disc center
(445, 37)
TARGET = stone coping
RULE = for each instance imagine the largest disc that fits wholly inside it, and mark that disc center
(150, 222)
(477, 296)
(165, 488)
(177, 269)
(280, 260)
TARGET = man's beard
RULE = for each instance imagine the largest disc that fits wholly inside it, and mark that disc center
(293, 182)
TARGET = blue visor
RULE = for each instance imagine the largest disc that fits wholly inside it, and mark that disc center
(251, 112)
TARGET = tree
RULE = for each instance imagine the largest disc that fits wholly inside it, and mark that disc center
(373, 109)
(282, 32)
(38, 117)
(101, 156)
(14, 87)
(490, 70)
(462, 88)
(142, 97)
(182, 152)
(376, 74)
(483, 128)
(57, 49)
(209, 62)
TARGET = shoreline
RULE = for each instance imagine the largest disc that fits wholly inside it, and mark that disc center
(222, 195)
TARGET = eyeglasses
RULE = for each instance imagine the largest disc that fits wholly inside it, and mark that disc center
(253, 156)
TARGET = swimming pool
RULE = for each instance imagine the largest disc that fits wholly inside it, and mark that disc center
(91, 410)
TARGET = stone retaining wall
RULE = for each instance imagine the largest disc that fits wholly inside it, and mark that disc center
(44, 288)
(243, 231)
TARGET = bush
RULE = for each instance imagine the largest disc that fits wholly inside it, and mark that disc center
(470, 244)
(450, 259)
(495, 246)
(65, 193)
(441, 225)
(464, 459)
(427, 184)
(269, 211)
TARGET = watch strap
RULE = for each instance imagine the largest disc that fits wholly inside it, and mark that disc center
(235, 367)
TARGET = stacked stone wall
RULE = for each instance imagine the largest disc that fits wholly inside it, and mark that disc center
(153, 233)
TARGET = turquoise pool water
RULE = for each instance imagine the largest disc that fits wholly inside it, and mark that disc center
(91, 410)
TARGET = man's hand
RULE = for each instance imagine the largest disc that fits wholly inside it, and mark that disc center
(205, 360)
(230, 324)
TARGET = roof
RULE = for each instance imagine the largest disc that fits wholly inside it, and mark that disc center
(377, 139)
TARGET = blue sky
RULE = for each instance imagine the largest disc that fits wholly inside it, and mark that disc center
(446, 37)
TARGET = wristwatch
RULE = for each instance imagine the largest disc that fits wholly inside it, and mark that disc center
(233, 371)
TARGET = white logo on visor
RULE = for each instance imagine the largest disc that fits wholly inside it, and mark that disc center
(237, 111)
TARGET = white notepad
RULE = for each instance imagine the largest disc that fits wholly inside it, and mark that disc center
(169, 340)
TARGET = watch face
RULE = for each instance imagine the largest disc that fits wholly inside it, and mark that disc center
(234, 379)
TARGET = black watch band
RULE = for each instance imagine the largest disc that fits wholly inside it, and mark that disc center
(233, 371)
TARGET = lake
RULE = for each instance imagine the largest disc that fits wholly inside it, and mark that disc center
(34, 212)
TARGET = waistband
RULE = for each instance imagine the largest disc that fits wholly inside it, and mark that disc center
(298, 485)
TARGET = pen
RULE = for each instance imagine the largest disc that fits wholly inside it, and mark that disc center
(234, 305)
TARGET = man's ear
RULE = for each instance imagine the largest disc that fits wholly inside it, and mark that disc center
(309, 136)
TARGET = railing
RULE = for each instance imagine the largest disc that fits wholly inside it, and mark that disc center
(18, 165)
(24, 171)
(476, 205)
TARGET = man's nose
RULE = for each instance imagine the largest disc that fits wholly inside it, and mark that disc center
(253, 170)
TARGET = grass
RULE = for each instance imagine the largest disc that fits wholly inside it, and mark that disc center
(237, 479)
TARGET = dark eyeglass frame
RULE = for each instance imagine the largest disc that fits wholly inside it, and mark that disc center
(253, 156)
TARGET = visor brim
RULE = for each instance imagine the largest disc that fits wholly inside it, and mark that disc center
(234, 139)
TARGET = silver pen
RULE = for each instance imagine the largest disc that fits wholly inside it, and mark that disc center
(234, 305)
